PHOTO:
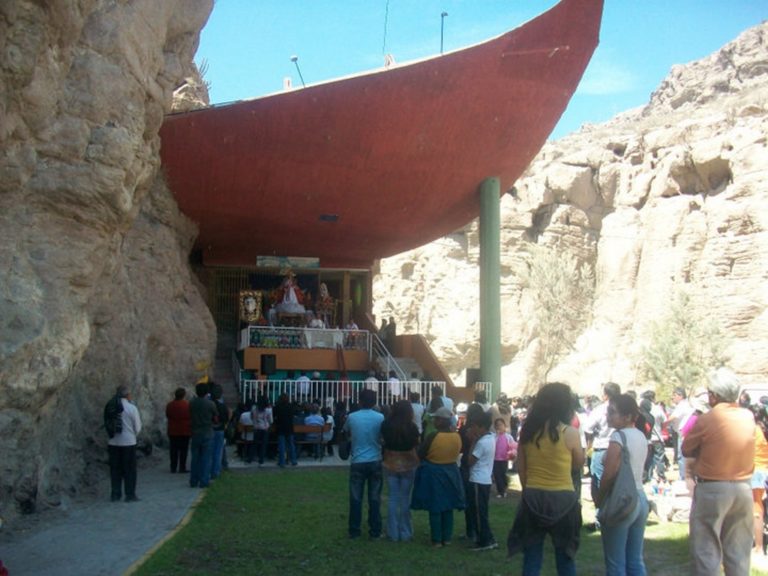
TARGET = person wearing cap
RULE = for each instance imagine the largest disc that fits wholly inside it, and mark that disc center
(722, 442)
(438, 487)
(363, 428)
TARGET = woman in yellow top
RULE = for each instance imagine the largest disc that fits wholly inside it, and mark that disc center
(760, 475)
(548, 451)
(438, 487)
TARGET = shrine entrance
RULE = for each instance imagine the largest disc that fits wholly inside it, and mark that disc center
(349, 289)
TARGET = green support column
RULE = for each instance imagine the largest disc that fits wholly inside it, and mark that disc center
(490, 284)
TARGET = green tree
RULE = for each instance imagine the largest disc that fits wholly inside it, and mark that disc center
(682, 347)
(562, 291)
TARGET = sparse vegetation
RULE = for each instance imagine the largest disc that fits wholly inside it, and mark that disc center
(682, 347)
(562, 291)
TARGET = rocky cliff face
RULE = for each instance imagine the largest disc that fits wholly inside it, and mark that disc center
(95, 288)
(670, 196)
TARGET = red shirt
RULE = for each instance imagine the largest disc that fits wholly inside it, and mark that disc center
(179, 420)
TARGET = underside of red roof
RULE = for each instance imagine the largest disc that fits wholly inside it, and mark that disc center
(369, 166)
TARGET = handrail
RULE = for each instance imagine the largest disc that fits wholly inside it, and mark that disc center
(236, 370)
(380, 352)
(329, 391)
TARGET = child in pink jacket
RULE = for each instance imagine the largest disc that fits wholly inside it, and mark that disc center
(506, 450)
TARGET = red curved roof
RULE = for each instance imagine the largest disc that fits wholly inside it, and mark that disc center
(396, 155)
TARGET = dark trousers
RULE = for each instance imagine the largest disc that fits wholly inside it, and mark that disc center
(122, 470)
(479, 495)
(179, 449)
(655, 460)
(261, 439)
(470, 515)
(359, 475)
(500, 476)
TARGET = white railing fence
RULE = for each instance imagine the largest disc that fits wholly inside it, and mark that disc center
(326, 392)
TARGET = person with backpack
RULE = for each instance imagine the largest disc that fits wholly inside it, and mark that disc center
(123, 424)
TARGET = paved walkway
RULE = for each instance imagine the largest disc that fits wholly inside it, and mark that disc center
(96, 537)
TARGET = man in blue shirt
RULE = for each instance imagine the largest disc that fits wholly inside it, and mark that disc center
(364, 430)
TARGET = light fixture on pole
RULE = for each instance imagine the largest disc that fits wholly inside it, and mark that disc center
(442, 28)
(295, 60)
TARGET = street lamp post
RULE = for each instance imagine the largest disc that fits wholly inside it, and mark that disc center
(442, 28)
(295, 60)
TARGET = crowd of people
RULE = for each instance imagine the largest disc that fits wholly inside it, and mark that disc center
(440, 460)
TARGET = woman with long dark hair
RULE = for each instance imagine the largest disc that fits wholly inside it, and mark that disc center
(623, 542)
(549, 450)
(401, 438)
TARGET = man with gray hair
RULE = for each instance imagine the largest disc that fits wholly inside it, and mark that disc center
(722, 442)
(122, 446)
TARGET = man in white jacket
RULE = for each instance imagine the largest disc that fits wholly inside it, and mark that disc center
(122, 449)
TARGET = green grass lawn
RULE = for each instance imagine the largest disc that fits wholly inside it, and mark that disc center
(294, 521)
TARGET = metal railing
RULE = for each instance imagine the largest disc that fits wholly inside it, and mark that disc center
(380, 354)
(486, 387)
(303, 338)
(326, 392)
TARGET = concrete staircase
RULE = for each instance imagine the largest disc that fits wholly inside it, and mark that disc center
(408, 365)
(222, 369)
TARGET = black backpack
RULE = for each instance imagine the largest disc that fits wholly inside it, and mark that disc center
(113, 416)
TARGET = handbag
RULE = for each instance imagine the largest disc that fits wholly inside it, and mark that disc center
(397, 461)
(622, 498)
(345, 446)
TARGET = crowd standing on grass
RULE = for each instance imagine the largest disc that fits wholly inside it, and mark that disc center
(432, 461)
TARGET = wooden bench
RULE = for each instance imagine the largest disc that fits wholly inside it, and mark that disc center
(301, 430)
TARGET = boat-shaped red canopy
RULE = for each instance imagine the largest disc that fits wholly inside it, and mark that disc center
(369, 166)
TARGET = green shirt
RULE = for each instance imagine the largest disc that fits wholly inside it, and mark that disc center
(203, 414)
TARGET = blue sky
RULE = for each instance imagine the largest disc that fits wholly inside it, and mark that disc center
(247, 44)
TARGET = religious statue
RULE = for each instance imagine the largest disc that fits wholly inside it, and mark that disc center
(250, 306)
(291, 297)
(325, 306)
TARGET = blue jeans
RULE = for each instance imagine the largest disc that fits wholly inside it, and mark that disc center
(359, 474)
(217, 453)
(623, 544)
(596, 471)
(533, 557)
(200, 469)
(399, 526)
(282, 440)
(680, 457)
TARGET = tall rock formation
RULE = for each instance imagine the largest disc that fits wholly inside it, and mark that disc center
(668, 197)
(95, 288)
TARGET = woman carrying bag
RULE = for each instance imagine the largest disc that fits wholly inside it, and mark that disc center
(401, 438)
(623, 527)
